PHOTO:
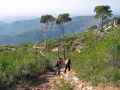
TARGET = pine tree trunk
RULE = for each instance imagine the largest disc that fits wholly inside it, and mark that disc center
(46, 41)
(63, 40)
(102, 22)
(58, 47)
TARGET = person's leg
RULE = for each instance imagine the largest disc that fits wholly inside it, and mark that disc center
(65, 68)
(58, 70)
(55, 70)
(68, 67)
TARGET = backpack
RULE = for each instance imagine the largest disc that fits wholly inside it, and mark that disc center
(57, 63)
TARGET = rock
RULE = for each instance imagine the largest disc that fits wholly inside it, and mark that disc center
(80, 86)
(83, 88)
(87, 88)
(61, 77)
(52, 81)
(76, 80)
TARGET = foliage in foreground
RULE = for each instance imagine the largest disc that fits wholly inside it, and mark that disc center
(19, 64)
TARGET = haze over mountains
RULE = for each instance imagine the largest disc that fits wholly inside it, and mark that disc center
(24, 31)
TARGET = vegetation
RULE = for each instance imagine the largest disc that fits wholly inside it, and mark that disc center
(99, 60)
(103, 12)
(94, 27)
(19, 64)
(61, 20)
(48, 21)
(117, 19)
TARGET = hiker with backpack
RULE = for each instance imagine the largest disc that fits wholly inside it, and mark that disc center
(57, 66)
(67, 65)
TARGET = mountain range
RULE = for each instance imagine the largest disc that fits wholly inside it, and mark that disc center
(24, 31)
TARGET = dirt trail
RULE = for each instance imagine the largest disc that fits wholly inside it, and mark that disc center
(48, 80)
(45, 81)
(77, 84)
(42, 82)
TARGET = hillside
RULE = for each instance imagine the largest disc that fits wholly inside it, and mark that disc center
(30, 29)
(98, 60)
(97, 63)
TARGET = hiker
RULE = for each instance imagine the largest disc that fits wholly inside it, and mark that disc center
(67, 65)
(57, 66)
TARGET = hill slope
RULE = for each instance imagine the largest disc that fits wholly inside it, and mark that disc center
(99, 58)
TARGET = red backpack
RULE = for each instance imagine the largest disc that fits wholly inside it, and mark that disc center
(58, 62)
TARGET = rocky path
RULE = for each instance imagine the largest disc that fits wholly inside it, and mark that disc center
(74, 81)
(42, 82)
(48, 80)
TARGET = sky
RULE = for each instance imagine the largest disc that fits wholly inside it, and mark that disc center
(36, 8)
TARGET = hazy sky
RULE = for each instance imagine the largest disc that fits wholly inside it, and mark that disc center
(39, 7)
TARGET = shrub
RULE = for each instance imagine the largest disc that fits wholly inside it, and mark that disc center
(15, 65)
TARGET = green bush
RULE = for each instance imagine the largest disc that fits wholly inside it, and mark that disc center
(15, 65)
(99, 60)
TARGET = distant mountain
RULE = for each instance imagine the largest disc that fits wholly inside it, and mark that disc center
(29, 30)
(19, 27)
(31, 36)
